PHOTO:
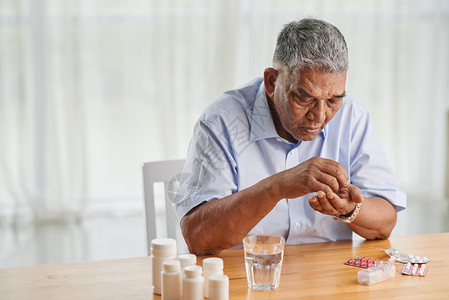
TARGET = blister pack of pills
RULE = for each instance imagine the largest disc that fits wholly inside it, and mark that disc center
(406, 258)
(363, 262)
(414, 269)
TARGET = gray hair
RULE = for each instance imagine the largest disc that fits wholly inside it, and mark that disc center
(313, 44)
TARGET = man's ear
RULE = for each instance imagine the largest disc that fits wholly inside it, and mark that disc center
(269, 76)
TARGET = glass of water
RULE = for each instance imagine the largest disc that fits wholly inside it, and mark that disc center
(263, 261)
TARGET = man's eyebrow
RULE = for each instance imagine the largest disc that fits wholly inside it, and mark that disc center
(307, 95)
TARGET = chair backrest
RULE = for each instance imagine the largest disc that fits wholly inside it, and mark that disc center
(162, 172)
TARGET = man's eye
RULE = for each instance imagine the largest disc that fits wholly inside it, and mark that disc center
(334, 100)
(303, 100)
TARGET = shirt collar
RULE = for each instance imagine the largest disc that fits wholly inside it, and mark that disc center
(324, 131)
(262, 125)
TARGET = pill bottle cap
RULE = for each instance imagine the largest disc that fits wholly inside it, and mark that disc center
(163, 247)
(193, 271)
(213, 264)
(218, 282)
(187, 259)
(171, 265)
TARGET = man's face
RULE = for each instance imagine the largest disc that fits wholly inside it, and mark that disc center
(304, 108)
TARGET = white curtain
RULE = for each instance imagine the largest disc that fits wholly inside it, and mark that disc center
(90, 89)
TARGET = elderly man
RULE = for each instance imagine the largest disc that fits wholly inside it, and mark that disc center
(289, 154)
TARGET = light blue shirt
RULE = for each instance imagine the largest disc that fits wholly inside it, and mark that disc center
(235, 145)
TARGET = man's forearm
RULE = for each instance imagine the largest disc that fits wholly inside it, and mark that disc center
(222, 224)
(376, 219)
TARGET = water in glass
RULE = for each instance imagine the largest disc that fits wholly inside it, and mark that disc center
(263, 271)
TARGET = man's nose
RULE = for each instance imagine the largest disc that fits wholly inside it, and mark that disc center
(318, 112)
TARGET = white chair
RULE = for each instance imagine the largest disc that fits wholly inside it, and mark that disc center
(162, 172)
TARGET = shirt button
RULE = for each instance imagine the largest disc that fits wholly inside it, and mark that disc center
(297, 224)
(278, 139)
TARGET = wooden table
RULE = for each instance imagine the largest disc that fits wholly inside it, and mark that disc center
(309, 271)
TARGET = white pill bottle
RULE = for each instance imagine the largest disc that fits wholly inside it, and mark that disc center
(218, 287)
(171, 280)
(186, 259)
(193, 283)
(211, 266)
(161, 250)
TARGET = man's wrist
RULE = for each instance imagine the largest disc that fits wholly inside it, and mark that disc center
(271, 186)
(348, 214)
(348, 218)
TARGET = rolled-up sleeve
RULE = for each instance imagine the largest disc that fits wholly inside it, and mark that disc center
(209, 172)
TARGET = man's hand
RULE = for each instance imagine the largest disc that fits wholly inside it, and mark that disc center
(336, 204)
(313, 175)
